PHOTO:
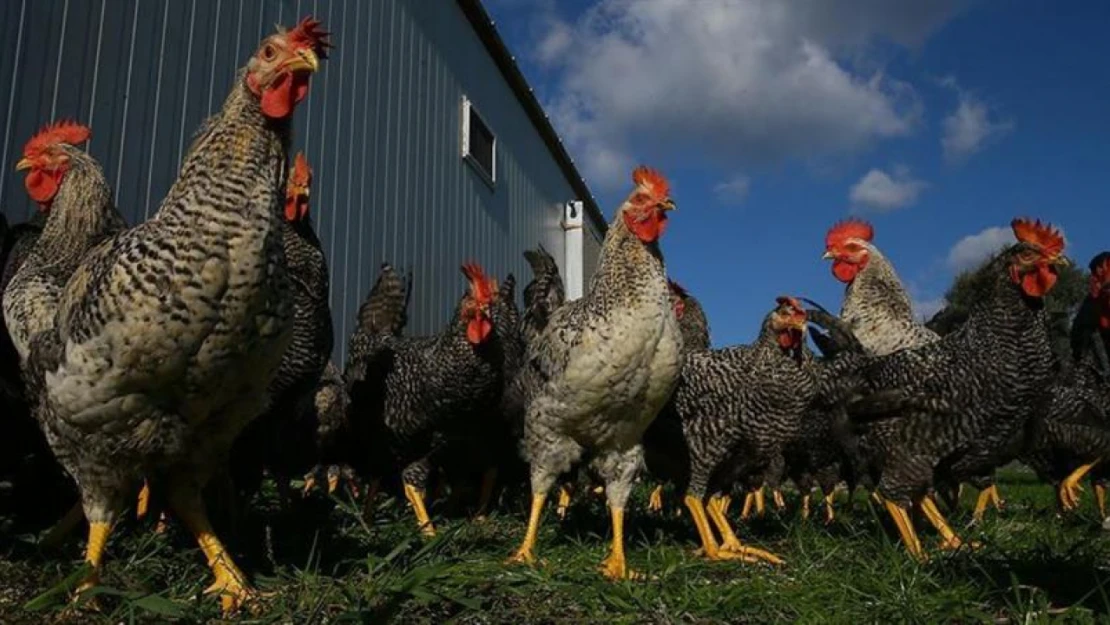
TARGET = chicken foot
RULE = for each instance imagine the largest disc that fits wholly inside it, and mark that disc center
(710, 548)
(753, 500)
(230, 583)
(830, 514)
(416, 498)
(718, 513)
(987, 497)
(565, 494)
(526, 553)
(1068, 493)
(1100, 499)
(950, 541)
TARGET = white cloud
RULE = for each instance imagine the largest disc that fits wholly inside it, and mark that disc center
(973, 249)
(740, 81)
(880, 191)
(970, 127)
(733, 190)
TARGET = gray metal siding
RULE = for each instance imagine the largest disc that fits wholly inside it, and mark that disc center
(380, 127)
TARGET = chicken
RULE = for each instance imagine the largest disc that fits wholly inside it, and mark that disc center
(962, 406)
(69, 186)
(413, 397)
(18, 241)
(1075, 439)
(332, 433)
(168, 334)
(604, 367)
(543, 295)
(70, 189)
(736, 409)
(280, 440)
(878, 309)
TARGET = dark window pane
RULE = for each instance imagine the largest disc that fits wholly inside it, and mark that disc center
(481, 144)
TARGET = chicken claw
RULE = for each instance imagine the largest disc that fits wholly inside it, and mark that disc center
(709, 544)
(987, 497)
(416, 498)
(780, 501)
(1070, 488)
(614, 567)
(905, 527)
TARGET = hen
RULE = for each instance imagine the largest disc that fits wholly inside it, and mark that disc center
(735, 409)
(604, 366)
(412, 397)
(960, 407)
(280, 440)
(168, 334)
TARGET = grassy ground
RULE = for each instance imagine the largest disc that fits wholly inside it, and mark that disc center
(323, 564)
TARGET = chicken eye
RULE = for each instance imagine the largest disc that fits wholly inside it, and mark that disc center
(268, 52)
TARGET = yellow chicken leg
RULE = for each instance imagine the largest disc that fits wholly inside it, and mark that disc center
(905, 529)
(949, 540)
(780, 501)
(655, 500)
(805, 506)
(94, 553)
(143, 505)
(230, 584)
(830, 513)
(709, 543)
(760, 508)
(1100, 498)
(717, 512)
(1070, 487)
(563, 504)
(423, 521)
(526, 553)
(615, 567)
(987, 497)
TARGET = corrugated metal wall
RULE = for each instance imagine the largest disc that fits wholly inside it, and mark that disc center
(380, 127)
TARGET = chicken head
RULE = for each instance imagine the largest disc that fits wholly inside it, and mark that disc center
(845, 245)
(475, 308)
(278, 72)
(1039, 252)
(46, 158)
(296, 195)
(789, 321)
(645, 210)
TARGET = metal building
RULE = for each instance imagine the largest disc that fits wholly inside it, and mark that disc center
(427, 145)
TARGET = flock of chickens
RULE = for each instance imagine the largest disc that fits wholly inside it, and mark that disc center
(196, 345)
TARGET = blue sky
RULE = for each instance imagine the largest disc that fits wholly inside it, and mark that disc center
(936, 120)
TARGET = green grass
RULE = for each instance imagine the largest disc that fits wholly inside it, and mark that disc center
(322, 564)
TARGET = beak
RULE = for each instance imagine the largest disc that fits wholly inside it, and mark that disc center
(827, 255)
(306, 60)
(668, 205)
(23, 164)
(1062, 261)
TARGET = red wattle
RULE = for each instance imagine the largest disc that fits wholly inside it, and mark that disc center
(1038, 282)
(789, 339)
(648, 228)
(279, 98)
(42, 186)
(478, 330)
(845, 271)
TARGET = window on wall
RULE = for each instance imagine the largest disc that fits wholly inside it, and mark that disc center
(479, 146)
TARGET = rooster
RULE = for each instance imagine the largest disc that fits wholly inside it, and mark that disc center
(413, 397)
(604, 367)
(70, 188)
(278, 440)
(736, 409)
(961, 406)
(168, 334)
(878, 309)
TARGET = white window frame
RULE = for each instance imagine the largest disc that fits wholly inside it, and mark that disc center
(490, 177)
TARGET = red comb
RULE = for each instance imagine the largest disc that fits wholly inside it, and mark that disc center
(848, 229)
(302, 173)
(1043, 236)
(309, 33)
(59, 132)
(482, 287)
(786, 300)
(653, 180)
(678, 289)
